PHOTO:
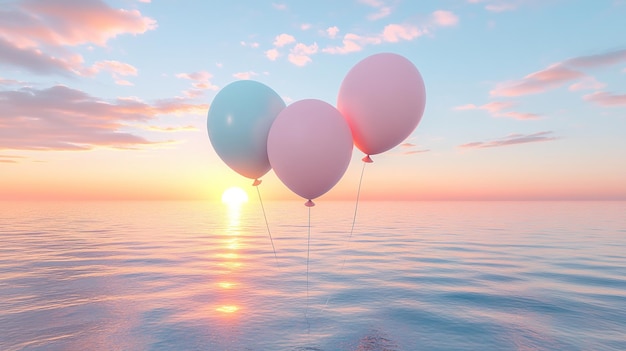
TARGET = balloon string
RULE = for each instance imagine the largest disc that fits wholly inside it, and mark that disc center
(308, 251)
(347, 244)
(267, 225)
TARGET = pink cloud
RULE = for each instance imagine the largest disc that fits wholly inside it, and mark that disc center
(35, 61)
(392, 33)
(587, 83)
(272, 54)
(332, 31)
(60, 23)
(512, 139)
(300, 55)
(558, 74)
(10, 158)
(245, 75)
(284, 39)
(605, 59)
(305, 26)
(53, 25)
(123, 82)
(537, 82)
(382, 10)
(606, 99)
(61, 118)
(496, 109)
(413, 152)
(201, 81)
(445, 18)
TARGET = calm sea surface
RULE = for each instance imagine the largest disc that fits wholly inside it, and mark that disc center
(413, 276)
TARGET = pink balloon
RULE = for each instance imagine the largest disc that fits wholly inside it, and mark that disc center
(383, 98)
(309, 147)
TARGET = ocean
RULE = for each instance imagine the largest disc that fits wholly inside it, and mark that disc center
(411, 276)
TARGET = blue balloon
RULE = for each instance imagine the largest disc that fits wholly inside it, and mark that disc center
(239, 121)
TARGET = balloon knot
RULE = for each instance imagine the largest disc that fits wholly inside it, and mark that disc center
(367, 159)
(256, 182)
(309, 203)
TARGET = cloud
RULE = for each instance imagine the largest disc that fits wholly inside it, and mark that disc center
(444, 18)
(272, 54)
(69, 23)
(250, 44)
(606, 99)
(38, 62)
(413, 152)
(587, 83)
(201, 81)
(512, 139)
(280, 7)
(382, 10)
(332, 31)
(496, 109)
(599, 60)
(245, 75)
(32, 30)
(500, 5)
(550, 78)
(305, 26)
(300, 54)
(188, 128)
(10, 158)
(283, 39)
(61, 118)
(558, 74)
(406, 145)
(392, 33)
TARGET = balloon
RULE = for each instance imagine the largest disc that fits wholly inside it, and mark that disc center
(383, 98)
(309, 147)
(238, 123)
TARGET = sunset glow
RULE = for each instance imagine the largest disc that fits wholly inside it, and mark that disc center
(91, 110)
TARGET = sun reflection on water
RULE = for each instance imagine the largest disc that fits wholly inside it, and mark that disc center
(228, 257)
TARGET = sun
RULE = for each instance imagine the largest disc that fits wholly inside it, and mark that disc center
(234, 196)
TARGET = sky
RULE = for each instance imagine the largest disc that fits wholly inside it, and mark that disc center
(108, 100)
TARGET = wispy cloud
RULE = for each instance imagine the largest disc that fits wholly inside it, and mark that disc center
(245, 75)
(252, 44)
(497, 109)
(587, 83)
(280, 7)
(188, 128)
(382, 9)
(537, 82)
(61, 118)
(558, 74)
(393, 33)
(512, 139)
(444, 18)
(39, 27)
(10, 158)
(201, 81)
(606, 99)
(501, 5)
(409, 149)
